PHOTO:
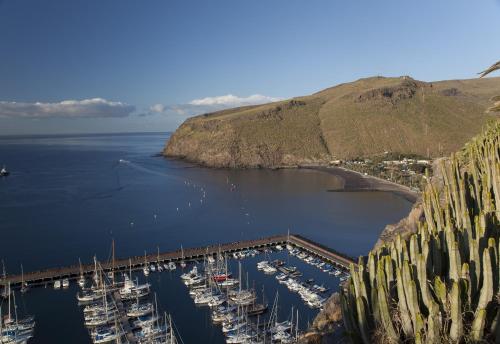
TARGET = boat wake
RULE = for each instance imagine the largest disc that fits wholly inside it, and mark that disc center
(150, 171)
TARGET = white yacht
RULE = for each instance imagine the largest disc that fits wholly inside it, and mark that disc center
(138, 309)
(132, 291)
(81, 281)
(65, 283)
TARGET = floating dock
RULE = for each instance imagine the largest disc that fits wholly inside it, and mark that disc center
(48, 276)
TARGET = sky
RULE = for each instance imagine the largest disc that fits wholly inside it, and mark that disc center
(88, 66)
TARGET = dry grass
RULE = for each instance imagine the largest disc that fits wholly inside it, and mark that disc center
(359, 119)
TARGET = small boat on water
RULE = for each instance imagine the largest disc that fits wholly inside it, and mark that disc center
(159, 265)
(57, 284)
(182, 263)
(81, 280)
(4, 172)
(24, 284)
(145, 269)
(65, 283)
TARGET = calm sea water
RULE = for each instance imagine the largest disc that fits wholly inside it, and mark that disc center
(68, 197)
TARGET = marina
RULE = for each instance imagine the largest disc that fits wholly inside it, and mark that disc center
(43, 277)
(118, 308)
(81, 200)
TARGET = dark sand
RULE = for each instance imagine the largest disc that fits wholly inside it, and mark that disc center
(355, 181)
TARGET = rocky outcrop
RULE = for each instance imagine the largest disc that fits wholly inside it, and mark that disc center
(327, 327)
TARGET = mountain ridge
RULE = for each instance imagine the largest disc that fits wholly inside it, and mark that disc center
(362, 118)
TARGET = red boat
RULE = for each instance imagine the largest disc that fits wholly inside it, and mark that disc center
(221, 277)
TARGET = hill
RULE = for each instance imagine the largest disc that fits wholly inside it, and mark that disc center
(363, 118)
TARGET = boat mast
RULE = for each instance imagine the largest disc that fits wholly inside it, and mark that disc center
(113, 261)
(239, 268)
(22, 277)
(15, 308)
(171, 329)
(105, 300)
(225, 264)
(81, 268)
(10, 312)
(297, 326)
(157, 313)
(96, 274)
(117, 333)
(130, 268)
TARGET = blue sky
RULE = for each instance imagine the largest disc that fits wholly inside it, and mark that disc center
(119, 65)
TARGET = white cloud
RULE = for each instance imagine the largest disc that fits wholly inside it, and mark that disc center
(90, 108)
(230, 100)
(157, 108)
(208, 104)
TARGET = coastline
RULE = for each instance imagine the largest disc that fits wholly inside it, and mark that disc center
(353, 181)
(357, 182)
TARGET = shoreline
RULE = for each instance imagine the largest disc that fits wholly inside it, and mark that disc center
(353, 181)
(357, 182)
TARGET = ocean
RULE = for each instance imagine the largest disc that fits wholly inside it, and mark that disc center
(69, 196)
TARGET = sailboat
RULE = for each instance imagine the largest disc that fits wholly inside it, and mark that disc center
(95, 292)
(12, 329)
(158, 264)
(111, 274)
(131, 290)
(81, 280)
(222, 272)
(4, 293)
(24, 285)
(242, 297)
(183, 263)
(145, 269)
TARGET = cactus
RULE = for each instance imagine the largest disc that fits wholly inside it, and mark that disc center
(477, 330)
(456, 329)
(385, 315)
(433, 324)
(362, 320)
(413, 249)
(454, 259)
(445, 272)
(422, 281)
(486, 294)
(440, 291)
(403, 307)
